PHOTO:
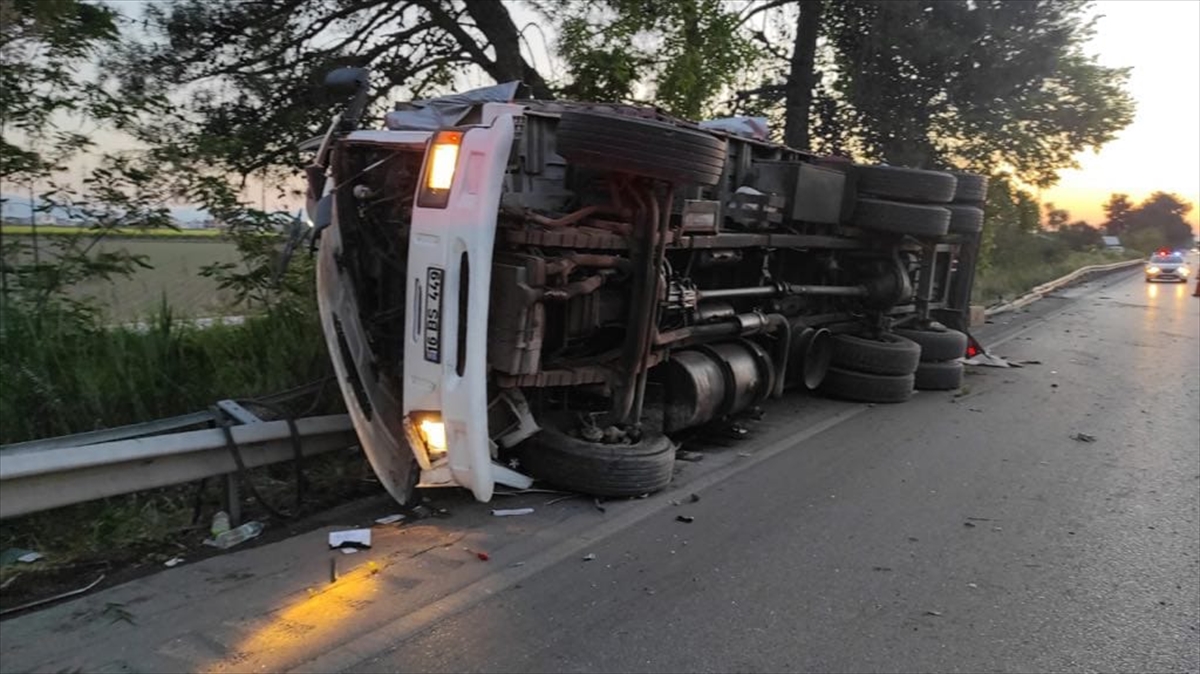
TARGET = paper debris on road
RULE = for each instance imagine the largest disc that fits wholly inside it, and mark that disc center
(355, 538)
(390, 519)
(987, 360)
(172, 562)
(511, 512)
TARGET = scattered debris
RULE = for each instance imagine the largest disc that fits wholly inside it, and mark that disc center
(1083, 437)
(352, 538)
(56, 597)
(972, 586)
(333, 572)
(118, 613)
(981, 519)
(969, 525)
(987, 360)
(516, 564)
(512, 512)
(483, 556)
(10, 581)
(685, 455)
(743, 454)
(1054, 386)
(596, 502)
(589, 557)
(173, 562)
(235, 536)
(936, 614)
(974, 409)
(349, 551)
(693, 498)
(687, 519)
(881, 568)
(390, 519)
(560, 499)
(14, 555)
(997, 529)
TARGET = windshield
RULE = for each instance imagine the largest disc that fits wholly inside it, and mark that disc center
(1169, 259)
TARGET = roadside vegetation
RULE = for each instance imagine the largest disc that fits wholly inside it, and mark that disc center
(113, 233)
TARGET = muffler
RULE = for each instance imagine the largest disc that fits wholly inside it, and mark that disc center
(715, 380)
(811, 351)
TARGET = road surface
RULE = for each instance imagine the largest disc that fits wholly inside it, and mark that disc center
(1045, 518)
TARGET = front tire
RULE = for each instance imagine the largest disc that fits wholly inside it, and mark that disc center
(599, 469)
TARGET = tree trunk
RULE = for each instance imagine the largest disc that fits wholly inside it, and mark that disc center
(802, 76)
(494, 21)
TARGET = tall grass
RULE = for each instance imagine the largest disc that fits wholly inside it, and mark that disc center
(62, 374)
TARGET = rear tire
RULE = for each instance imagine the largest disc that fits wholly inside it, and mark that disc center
(971, 188)
(906, 184)
(867, 388)
(893, 216)
(599, 469)
(965, 219)
(944, 376)
(889, 355)
(644, 147)
(937, 344)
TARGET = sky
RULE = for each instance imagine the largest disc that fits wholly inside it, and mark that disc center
(1160, 150)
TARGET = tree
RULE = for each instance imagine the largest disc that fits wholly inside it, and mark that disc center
(1080, 235)
(802, 76)
(1117, 211)
(970, 84)
(1160, 221)
(249, 74)
(44, 102)
(1056, 218)
(689, 51)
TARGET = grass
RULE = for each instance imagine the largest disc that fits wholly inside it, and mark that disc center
(156, 233)
(1015, 274)
(64, 376)
(61, 377)
(174, 277)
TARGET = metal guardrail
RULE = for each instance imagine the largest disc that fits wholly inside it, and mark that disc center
(1042, 290)
(46, 474)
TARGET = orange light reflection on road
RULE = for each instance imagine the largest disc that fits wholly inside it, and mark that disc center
(326, 614)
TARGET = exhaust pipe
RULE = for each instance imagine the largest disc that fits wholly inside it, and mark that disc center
(812, 349)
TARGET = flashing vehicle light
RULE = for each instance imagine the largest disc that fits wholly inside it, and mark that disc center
(441, 161)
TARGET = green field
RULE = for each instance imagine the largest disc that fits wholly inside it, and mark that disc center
(175, 275)
(159, 233)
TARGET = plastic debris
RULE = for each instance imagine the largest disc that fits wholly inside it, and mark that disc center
(512, 512)
(235, 536)
(483, 556)
(220, 523)
(1083, 437)
(348, 551)
(14, 555)
(390, 519)
(353, 538)
(589, 557)
(987, 360)
(687, 519)
(934, 613)
(173, 562)
(969, 525)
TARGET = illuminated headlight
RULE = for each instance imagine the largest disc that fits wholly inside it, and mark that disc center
(433, 432)
(1184, 271)
(1152, 270)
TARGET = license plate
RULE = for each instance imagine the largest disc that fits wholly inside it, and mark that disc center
(433, 314)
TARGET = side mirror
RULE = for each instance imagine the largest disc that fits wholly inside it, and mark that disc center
(347, 81)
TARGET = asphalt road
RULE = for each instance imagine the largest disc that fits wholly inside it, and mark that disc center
(959, 531)
(966, 533)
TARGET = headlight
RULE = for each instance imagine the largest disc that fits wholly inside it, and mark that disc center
(433, 431)
(1152, 270)
(1184, 271)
